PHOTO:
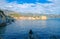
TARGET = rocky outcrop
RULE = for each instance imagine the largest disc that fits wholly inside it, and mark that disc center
(5, 19)
(2, 18)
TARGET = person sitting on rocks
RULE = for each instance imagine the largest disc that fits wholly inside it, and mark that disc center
(31, 34)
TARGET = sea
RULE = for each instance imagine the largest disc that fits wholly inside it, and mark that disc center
(42, 29)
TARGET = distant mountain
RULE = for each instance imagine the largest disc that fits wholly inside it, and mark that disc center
(7, 12)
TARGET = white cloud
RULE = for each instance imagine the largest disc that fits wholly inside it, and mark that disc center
(32, 8)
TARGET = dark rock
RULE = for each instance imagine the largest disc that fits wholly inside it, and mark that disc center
(3, 24)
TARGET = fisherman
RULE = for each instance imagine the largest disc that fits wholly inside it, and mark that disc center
(31, 34)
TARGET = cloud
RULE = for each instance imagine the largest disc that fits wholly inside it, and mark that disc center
(52, 8)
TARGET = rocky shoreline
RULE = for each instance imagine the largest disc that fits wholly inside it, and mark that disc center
(4, 19)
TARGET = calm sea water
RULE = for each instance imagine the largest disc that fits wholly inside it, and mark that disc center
(42, 29)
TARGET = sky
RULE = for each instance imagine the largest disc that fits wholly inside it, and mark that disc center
(32, 6)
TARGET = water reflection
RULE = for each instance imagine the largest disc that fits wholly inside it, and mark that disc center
(2, 31)
(43, 23)
(42, 29)
(53, 37)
